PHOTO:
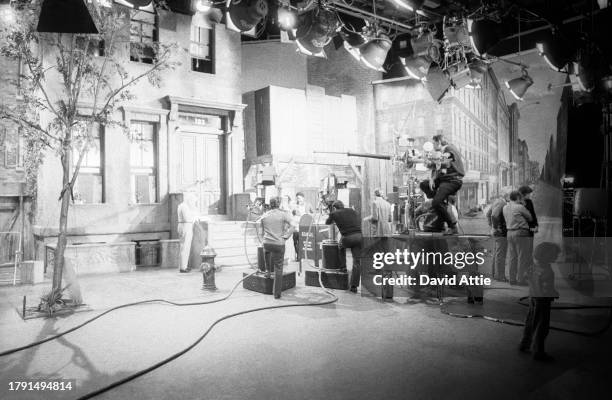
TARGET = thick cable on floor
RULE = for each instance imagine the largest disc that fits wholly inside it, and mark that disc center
(56, 336)
(191, 346)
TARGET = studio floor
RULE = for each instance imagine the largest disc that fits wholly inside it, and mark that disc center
(357, 348)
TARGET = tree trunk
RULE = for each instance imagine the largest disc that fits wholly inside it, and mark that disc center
(63, 222)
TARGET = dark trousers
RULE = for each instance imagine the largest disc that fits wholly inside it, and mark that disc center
(537, 324)
(518, 254)
(296, 244)
(439, 194)
(353, 242)
(277, 256)
(499, 257)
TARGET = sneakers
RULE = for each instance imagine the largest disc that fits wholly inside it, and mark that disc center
(470, 300)
(523, 348)
(479, 300)
(183, 271)
(353, 289)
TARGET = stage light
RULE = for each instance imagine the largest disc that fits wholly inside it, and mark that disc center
(460, 74)
(139, 3)
(518, 86)
(409, 5)
(477, 71)
(287, 18)
(352, 42)
(607, 83)
(581, 78)
(374, 52)
(315, 30)
(203, 6)
(242, 16)
(417, 67)
(424, 44)
(556, 52)
(455, 33)
(484, 34)
(603, 4)
(437, 82)
(65, 16)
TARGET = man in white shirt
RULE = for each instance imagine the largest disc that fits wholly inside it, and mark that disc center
(187, 215)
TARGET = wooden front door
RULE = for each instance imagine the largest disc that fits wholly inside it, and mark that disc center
(202, 165)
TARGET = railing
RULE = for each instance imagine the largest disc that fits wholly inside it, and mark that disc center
(17, 257)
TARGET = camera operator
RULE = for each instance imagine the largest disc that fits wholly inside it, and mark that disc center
(446, 179)
(348, 223)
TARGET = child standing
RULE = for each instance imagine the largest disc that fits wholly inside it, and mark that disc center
(541, 294)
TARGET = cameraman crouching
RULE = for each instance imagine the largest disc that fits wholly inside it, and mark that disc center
(446, 180)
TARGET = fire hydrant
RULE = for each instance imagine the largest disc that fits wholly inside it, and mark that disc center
(208, 268)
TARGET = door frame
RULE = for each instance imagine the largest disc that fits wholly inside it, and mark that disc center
(223, 157)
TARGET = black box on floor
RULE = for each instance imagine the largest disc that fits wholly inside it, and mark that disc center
(259, 283)
(331, 280)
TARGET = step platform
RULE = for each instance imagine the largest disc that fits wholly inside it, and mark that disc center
(259, 283)
(330, 279)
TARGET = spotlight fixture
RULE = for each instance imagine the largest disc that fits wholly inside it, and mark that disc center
(352, 42)
(581, 78)
(437, 82)
(287, 18)
(455, 33)
(518, 86)
(424, 44)
(203, 6)
(484, 34)
(315, 29)
(460, 74)
(409, 5)
(139, 3)
(65, 16)
(477, 71)
(244, 15)
(374, 52)
(556, 52)
(417, 67)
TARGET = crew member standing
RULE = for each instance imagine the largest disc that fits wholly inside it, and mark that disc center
(541, 294)
(381, 215)
(517, 223)
(495, 217)
(526, 191)
(187, 216)
(299, 209)
(447, 179)
(277, 227)
(348, 223)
